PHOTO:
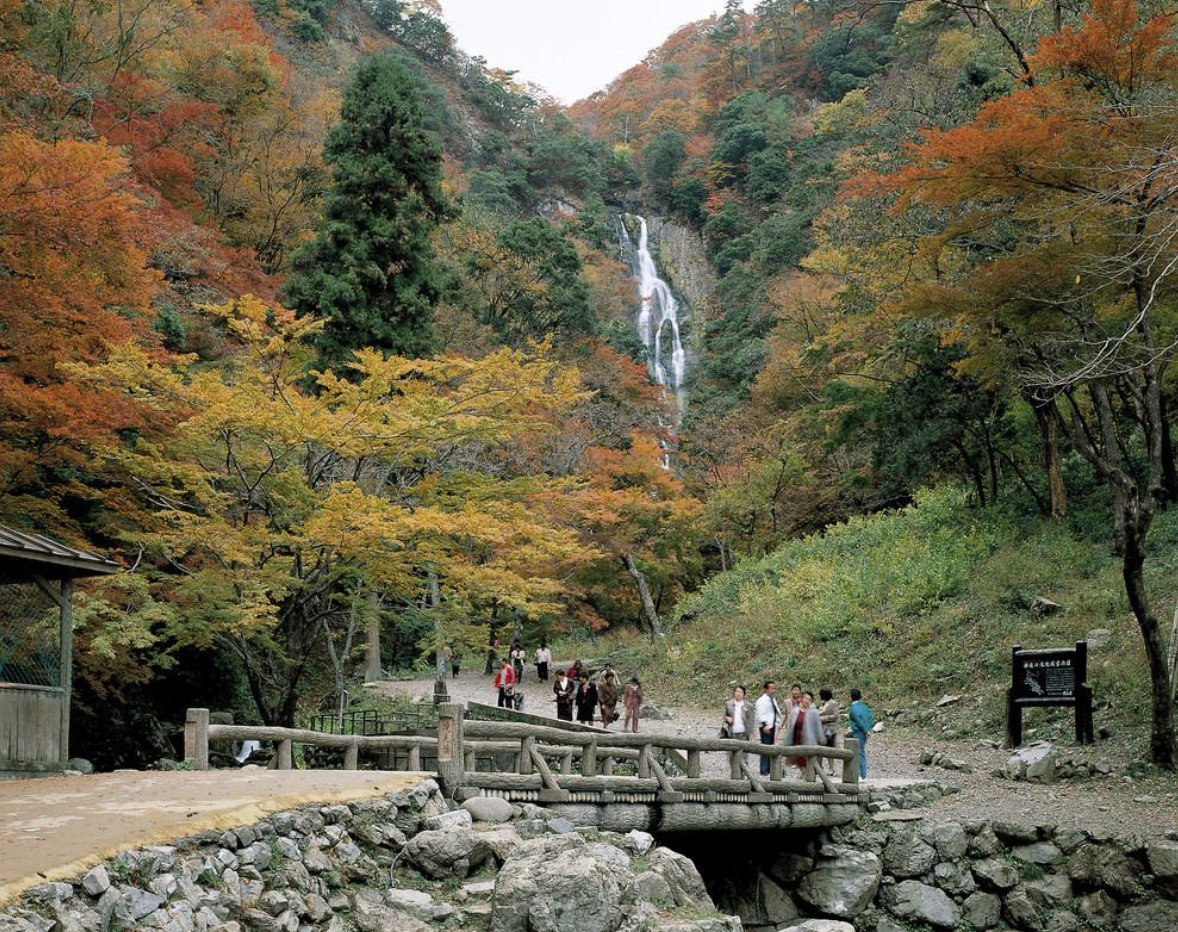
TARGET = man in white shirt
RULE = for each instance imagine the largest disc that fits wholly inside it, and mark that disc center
(768, 720)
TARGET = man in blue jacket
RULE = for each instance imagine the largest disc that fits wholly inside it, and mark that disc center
(862, 721)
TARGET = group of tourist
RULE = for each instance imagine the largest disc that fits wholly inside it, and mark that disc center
(574, 689)
(802, 721)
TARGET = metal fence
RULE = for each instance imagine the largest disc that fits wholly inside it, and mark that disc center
(30, 635)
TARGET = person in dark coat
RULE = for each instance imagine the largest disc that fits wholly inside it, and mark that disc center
(586, 700)
(607, 699)
(563, 688)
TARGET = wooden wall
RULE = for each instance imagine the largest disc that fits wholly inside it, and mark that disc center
(30, 726)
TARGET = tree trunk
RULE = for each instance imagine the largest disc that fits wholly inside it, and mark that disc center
(1163, 751)
(652, 615)
(1049, 451)
(372, 671)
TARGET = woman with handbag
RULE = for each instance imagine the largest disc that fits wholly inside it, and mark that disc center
(607, 699)
(828, 714)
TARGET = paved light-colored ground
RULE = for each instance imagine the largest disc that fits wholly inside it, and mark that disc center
(1147, 807)
(54, 827)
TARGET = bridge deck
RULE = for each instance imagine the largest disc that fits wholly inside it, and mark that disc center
(54, 827)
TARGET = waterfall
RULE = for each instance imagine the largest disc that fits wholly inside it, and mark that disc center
(658, 325)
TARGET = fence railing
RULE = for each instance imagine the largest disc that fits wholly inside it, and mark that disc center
(554, 763)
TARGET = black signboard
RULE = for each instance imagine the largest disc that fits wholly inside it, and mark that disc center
(1059, 677)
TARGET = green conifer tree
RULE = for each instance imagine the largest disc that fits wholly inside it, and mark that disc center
(371, 272)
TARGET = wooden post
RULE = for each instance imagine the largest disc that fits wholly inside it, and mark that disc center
(286, 754)
(644, 762)
(810, 775)
(735, 771)
(851, 766)
(451, 758)
(526, 745)
(352, 756)
(693, 768)
(414, 758)
(67, 665)
(566, 763)
(589, 760)
(196, 739)
(607, 765)
(776, 766)
(470, 761)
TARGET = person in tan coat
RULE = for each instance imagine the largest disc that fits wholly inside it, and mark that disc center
(828, 715)
(740, 717)
(632, 700)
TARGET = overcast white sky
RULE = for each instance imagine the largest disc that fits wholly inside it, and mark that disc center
(571, 47)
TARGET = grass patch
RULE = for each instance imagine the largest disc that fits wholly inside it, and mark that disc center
(909, 605)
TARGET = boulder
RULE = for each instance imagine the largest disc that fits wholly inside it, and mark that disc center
(1103, 866)
(1044, 607)
(97, 881)
(1021, 912)
(639, 842)
(372, 917)
(1163, 864)
(1098, 909)
(456, 818)
(489, 809)
(954, 878)
(981, 910)
(682, 876)
(556, 884)
(821, 925)
(447, 853)
(1159, 916)
(843, 882)
(1050, 891)
(502, 841)
(1035, 763)
(1042, 853)
(949, 839)
(1098, 638)
(995, 874)
(908, 856)
(911, 899)
(134, 904)
(655, 713)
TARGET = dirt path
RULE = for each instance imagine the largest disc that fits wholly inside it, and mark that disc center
(1147, 807)
(57, 826)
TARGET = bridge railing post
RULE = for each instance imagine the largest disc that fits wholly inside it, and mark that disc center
(451, 756)
(196, 739)
(851, 765)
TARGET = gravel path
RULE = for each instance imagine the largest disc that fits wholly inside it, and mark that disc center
(1145, 806)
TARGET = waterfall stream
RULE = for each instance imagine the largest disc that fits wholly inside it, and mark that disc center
(658, 327)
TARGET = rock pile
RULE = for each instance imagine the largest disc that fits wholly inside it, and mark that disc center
(410, 862)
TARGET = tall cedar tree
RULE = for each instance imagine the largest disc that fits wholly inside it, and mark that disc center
(371, 272)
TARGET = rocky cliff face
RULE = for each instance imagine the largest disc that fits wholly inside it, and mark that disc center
(683, 262)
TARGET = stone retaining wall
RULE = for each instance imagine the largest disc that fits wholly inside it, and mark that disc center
(910, 873)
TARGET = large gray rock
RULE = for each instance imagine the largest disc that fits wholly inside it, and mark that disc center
(913, 900)
(134, 904)
(995, 874)
(1098, 909)
(908, 856)
(447, 853)
(821, 925)
(1158, 916)
(489, 809)
(456, 818)
(372, 917)
(1163, 864)
(502, 841)
(680, 873)
(1035, 763)
(556, 884)
(1097, 866)
(1021, 912)
(843, 883)
(954, 878)
(97, 881)
(1050, 891)
(982, 910)
(949, 839)
(1042, 853)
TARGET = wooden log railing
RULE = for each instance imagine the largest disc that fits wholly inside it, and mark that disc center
(198, 733)
(553, 763)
